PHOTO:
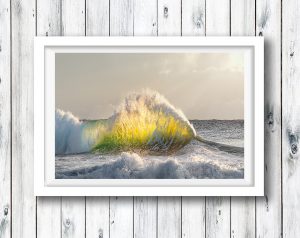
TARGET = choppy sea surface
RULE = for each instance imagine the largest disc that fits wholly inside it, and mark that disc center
(194, 161)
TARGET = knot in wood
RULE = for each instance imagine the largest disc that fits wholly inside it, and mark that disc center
(166, 12)
(294, 148)
(198, 22)
(270, 120)
(68, 222)
(100, 233)
(5, 210)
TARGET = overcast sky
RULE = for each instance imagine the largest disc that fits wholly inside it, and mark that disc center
(202, 85)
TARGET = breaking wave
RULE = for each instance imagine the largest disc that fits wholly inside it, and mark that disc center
(144, 121)
(130, 165)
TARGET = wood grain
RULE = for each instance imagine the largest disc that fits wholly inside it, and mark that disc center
(97, 208)
(145, 217)
(193, 208)
(193, 17)
(290, 117)
(169, 217)
(73, 217)
(20, 216)
(121, 17)
(169, 208)
(193, 217)
(97, 17)
(242, 23)
(48, 217)
(73, 209)
(48, 23)
(97, 217)
(5, 121)
(121, 208)
(145, 208)
(268, 208)
(23, 200)
(121, 217)
(218, 208)
(169, 17)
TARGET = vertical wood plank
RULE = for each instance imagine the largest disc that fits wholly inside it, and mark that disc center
(121, 217)
(268, 208)
(218, 208)
(23, 200)
(5, 120)
(73, 17)
(169, 17)
(145, 208)
(145, 17)
(97, 17)
(193, 208)
(242, 217)
(73, 209)
(291, 115)
(242, 18)
(121, 17)
(48, 217)
(48, 208)
(73, 217)
(217, 217)
(48, 18)
(97, 217)
(218, 17)
(169, 217)
(145, 217)
(121, 208)
(193, 217)
(193, 17)
(169, 208)
(97, 208)
(242, 208)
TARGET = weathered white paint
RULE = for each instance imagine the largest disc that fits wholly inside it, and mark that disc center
(73, 209)
(169, 17)
(23, 201)
(169, 208)
(73, 217)
(97, 17)
(169, 217)
(121, 17)
(121, 217)
(193, 217)
(128, 17)
(242, 209)
(97, 208)
(145, 18)
(268, 208)
(193, 17)
(97, 217)
(145, 217)
(121, 208)
(5, 120)
(217, 208)
(290, 118)
(193, 208)
(49, 217)
(48, 23)
(145, 208)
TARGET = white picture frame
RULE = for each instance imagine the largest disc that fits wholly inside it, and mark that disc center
(45, 183)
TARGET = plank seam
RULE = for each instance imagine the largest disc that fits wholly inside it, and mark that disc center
(281, 114)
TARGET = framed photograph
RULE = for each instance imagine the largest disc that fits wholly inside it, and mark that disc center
(148, 116)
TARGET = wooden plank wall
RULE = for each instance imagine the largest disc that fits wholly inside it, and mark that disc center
(274, 215)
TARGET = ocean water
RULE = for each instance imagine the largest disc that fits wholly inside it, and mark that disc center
(196, 160)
